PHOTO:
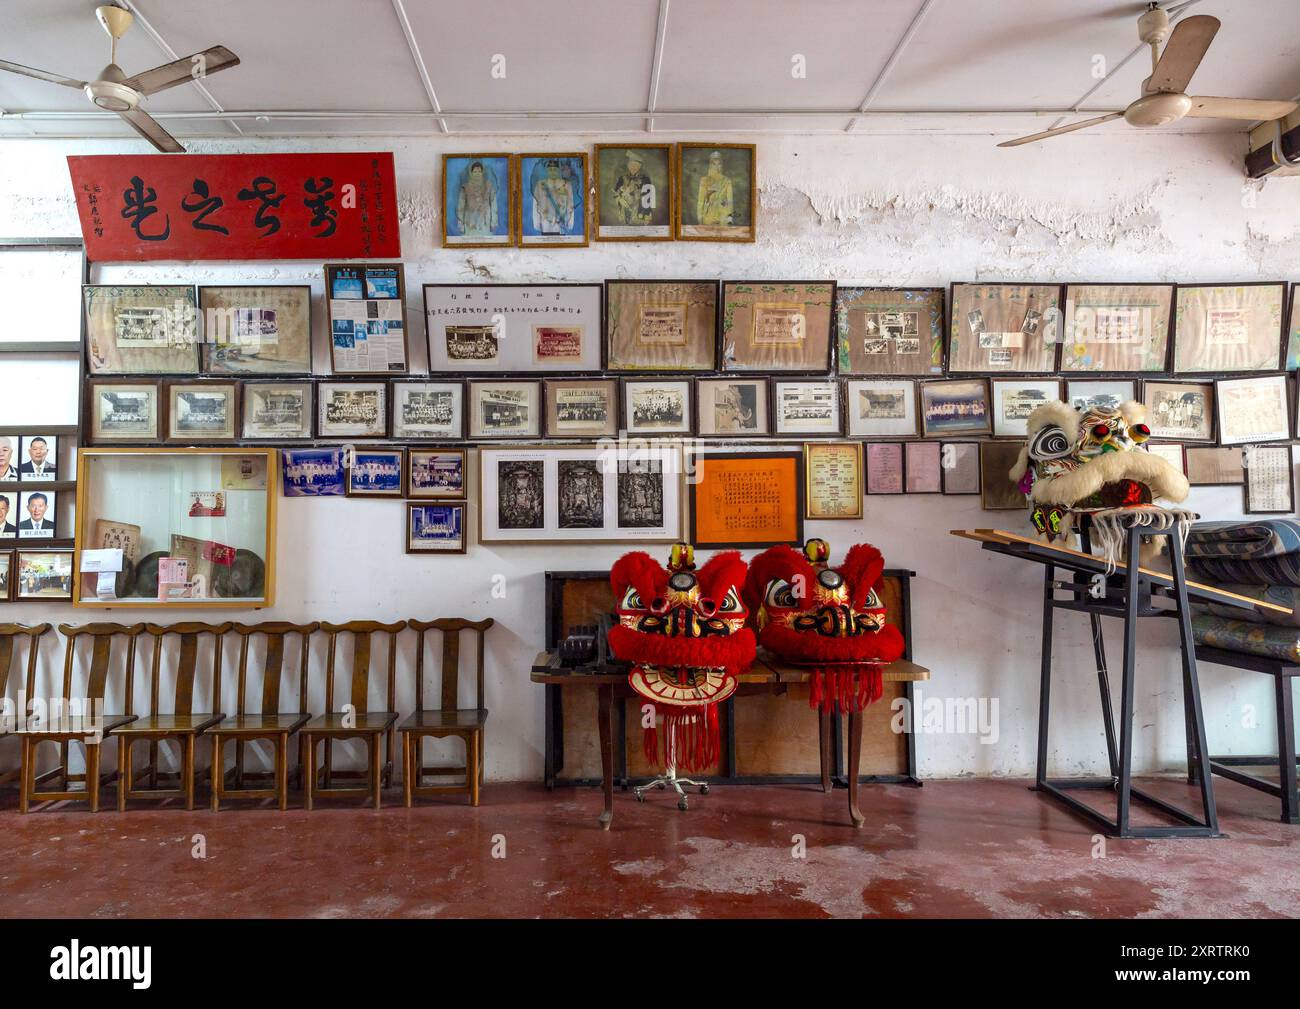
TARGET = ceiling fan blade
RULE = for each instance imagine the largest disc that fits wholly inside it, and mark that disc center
(188, 68)
(1252, 109)
(1183, 53)
(41, 75)
(1083, 124)
(149, 128)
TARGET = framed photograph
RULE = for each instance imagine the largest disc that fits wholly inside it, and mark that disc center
(477, 201)
(124, 412)
(1229, 327)
(885, 467)
(732, 408)
(833, 480)
(43, 575)
(7, 578)
(746, 499)
(955, 407)
(1293, 339)
(960, 466)
(435, 528)
(1270, 480)
(38, 458)
(513, 327)
(8, 458)
(717, 192)
(581, 408)
(1171, 452)
(1004, 327)
(653, 406)
(433, 410)
(278, 411)
(367, 318)
(352, 409)
(634, 193)
(8, 514)
(661, 325)
(141, 329)
(37, 515)
(777, 325)
(1253, 409)
(1215, 467)
(1099, 394)
(1015, 399)
(435, 473)
(881, 407)
(922, 464)
(501, 409)
(1180, 411)
(252, 330)
(202, 411)
(998, 491)
(553, 200)
(889, 330)
(1117, 327)
(377, 472)
(806, 408)
(312, 472)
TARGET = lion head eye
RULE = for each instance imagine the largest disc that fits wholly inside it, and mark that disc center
(1140, 432)
(730, 602)
(1049, 443)
(782, 595)
(632, 599)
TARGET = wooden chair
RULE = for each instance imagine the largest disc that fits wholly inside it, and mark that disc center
(450, 719)
(11, 636)
(72, 723)
(359, 723)
(268, 723)
(183, 725)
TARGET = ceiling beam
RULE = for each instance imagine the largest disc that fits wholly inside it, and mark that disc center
(656, 65)
(891, 62)
(400, 10)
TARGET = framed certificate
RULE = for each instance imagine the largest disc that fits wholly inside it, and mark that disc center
(1270, 480)
(661, 325)
(889, 330)
(777, 325)
(1117, 327)
(833, 480)
(1215, 467)
(960, 465)
(885, 468)
(1228, 327)
(1012, 328)
(746, 499)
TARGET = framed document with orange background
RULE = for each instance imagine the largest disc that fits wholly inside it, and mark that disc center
(746, 499)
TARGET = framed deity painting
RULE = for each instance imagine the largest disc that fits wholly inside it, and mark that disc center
(717, 192)
(889, 330)
(777, 325)
(477, 201)
(553, 200)
(634, 193)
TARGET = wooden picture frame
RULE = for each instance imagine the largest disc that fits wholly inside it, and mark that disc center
(997, 490)
(807, 408)
(8, 574)
(190, 417)
(141, 329)
(439, 514)
(114, 415)
(234, 319)
(278, 411)
(498, 172)
(890, 331)
(1003, 328)
(881, 408)
(437, 474)
(1014, 399)
(1270, 481)
(963, 456)
(886, 468)
(713, 211)
(620, 212)
(351, 410)
(581, 407)
(1253, 409)
(370, 471)
(770, 485)
(1238, 327)
(1117, 328)
(1180, 411)
(512, 410)
(733, 407)
(1214, 466)
(658, 407)
(18, 576)
(366, 303)
(833, 480)
(955, 407)
(566, 209)
(777, 325)
(423, 410)
(1111, 394)
(922, 475)
(661, 325)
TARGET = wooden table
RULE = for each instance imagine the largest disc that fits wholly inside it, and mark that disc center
(767, 674)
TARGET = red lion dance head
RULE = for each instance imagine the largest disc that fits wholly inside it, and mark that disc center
(829, 619)
(685, 631)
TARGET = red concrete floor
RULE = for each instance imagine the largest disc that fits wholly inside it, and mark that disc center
(952, 848)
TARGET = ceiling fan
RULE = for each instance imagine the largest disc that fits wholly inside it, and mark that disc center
(113, 91)
(1163, 100)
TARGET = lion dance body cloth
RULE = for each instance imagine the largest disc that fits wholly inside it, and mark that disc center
(684, 631)
(828, 618)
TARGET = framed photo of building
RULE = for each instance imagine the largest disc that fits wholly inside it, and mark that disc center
(503, 409)
(38, 514)
(38, 458)
(513, 327)
(889, 330)
(256, 330)
(1180, 411)
(435, 473)
(581, 408)
(1253, 409)
(717, 191)
(313, 472)
(634, 193)
(923, 466)
(377, 472)
(998, 491)
(777, 325)
(955, 407)
(833, 480)
(653, 406)
(436, 528)
(732, 407)
(278, 411)
(806, 408)
(428, 410)
(477, 201)
(202, 411)
(885, 468)
(127, 413)
(661, 325)
(141, 329)
(352, 409)
(1270, 480)
(1015, 399)
(1228, 327)
(43, 576)
(367, 318)
(960, 466)
(1100, 394)
(553, 200)
(746, 499)
(1010, 328)
(881, 407)
(1117, 327)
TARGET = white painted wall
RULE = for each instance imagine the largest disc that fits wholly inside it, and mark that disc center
(901, 209)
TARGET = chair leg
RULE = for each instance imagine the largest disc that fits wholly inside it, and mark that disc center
(482, 754)
(187, 769)
(29, 775)
(123, 771)
(406, 768)
(216, 772)
(92, 774)
(471, 767)
(376, 771)
(282, 769)
(309, 768)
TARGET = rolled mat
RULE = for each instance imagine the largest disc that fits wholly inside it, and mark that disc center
(1253, 639)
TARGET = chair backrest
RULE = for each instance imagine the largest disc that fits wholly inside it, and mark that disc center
(362, 631)
(276, 633)
(450, 628)
(186, 664)
(10, 636)
(101, 652)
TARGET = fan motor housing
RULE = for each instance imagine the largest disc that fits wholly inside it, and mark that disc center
(1157, 110)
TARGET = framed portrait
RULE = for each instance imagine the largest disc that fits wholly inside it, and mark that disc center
(806, 408)
(312, 472)
(352, 409)
(634, 193)
(43, 575)
(960, 467)
(732, 408)
(202, 411)
(1253, 409)
(889, 330)
(124, 412)
(501, 409)
(9, 458)
(1229, 327)
(1171, 452)
(435, 528)
(885, 467)
(553, 200)
(513, 327)
(653, 406)
(38, 515)
(881, 407)
(581, 407)
(955, 407)
(746, 499)
(1100, 394)
(8, 515)
(833, 480)
(1215, 467)
(1004, 327)
(149, 329)
(1180, 411)
(6, 575)
(256, 330)
(38, 458)
(1117, 327)
(1015, 399)
(717, 192)
(922, 465)
(428, 410)
(436, 473)
(377, 472)
(477, 201)
(1270, 481)
(998, 491)
(278, 411)
(367, 318)
(777, 325)
(661, 325)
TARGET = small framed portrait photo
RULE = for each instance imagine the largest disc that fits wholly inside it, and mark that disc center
(435, 528)
(553, 200)
(37, 510)
(477, 204)
(717, 192)
(657, 406)
(634, 193)
(8, 457)
(202, 411)
(8, 515)
(437, 473)
(377, 472)
(38, 458)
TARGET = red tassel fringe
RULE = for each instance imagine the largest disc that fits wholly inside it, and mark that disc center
(836, 690)
(691, 737)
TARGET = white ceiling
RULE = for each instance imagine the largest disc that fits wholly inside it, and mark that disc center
(357, 67)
